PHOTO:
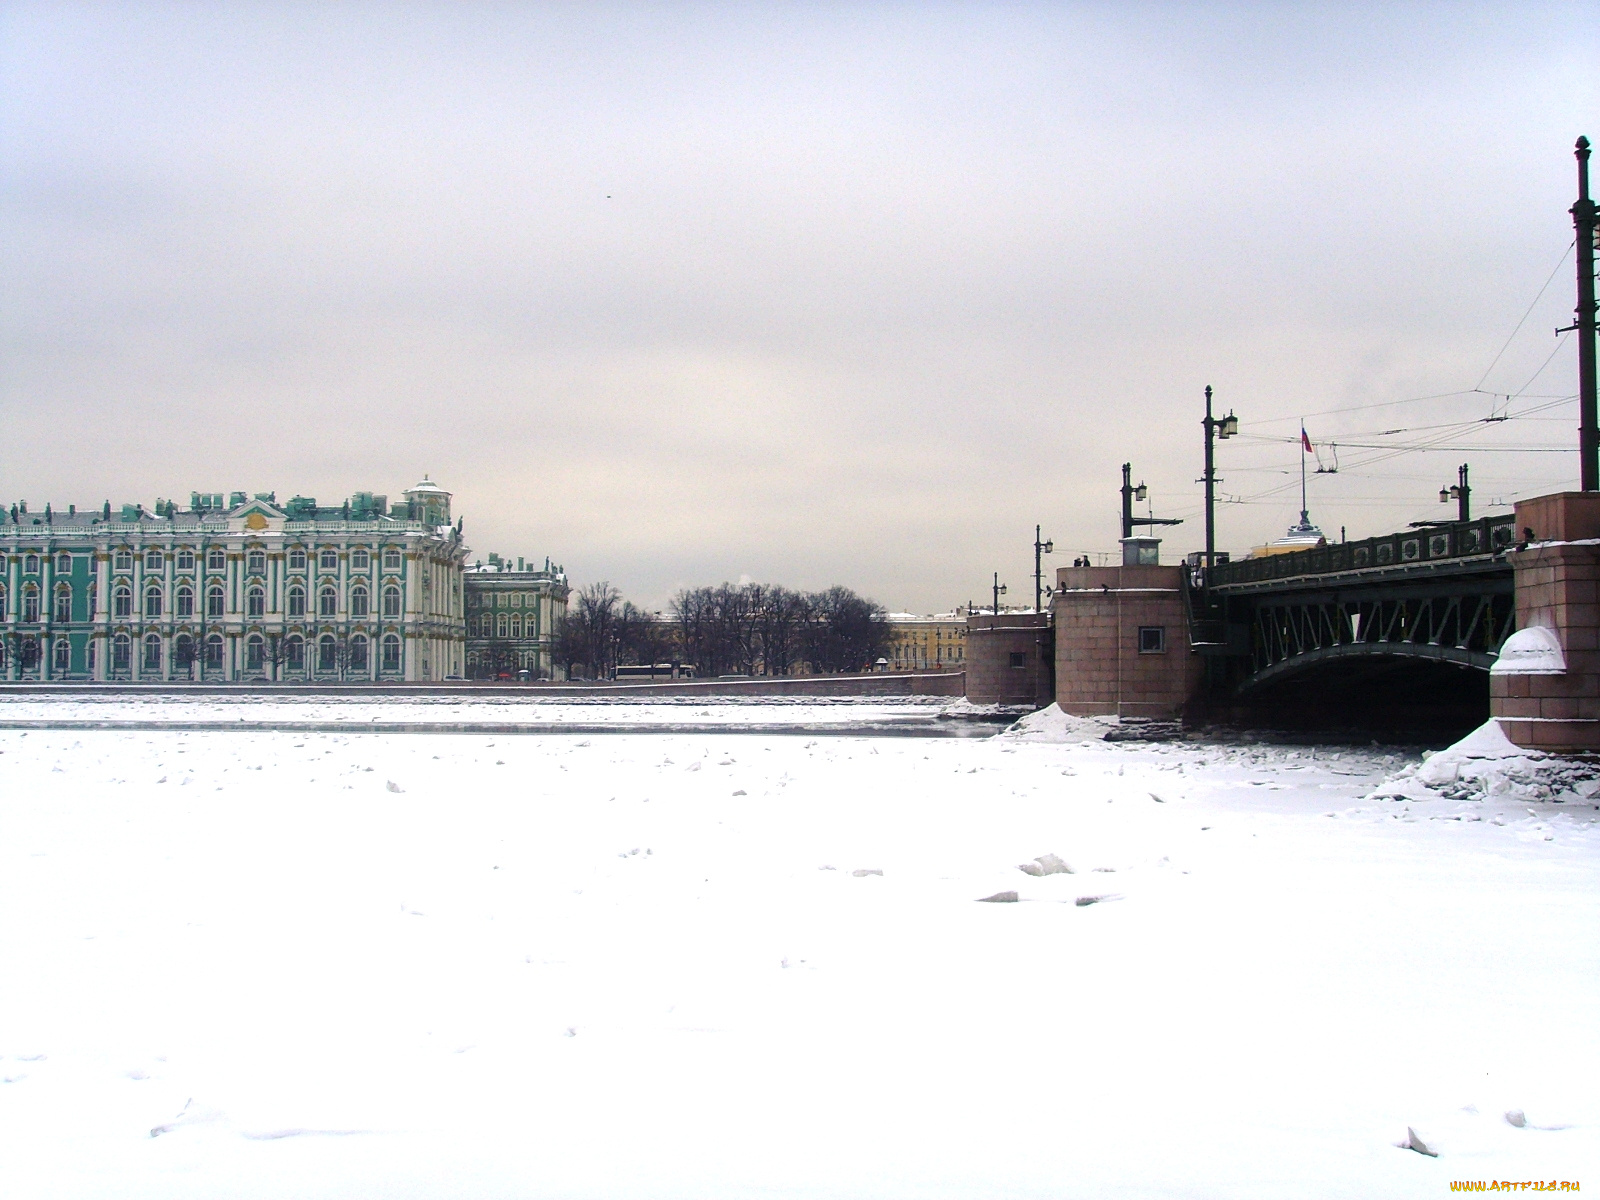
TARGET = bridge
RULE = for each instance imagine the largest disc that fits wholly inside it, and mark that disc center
(1437, 626)
(1444, 593)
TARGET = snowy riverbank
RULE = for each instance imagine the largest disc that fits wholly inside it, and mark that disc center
(653, 965)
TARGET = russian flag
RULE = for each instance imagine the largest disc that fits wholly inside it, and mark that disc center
(1305, 442)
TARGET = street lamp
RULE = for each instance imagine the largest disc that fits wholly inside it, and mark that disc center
(999, 590)
(1039, 549)
(1130, 493)
(1219, 427)
(1460, 493)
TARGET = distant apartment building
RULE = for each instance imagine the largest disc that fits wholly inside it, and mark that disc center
(928, 643)
(512, 613)
(236, 588)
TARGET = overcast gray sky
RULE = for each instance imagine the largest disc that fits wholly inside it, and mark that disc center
(812, 294)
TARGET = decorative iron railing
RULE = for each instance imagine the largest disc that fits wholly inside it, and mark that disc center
(1483, 538)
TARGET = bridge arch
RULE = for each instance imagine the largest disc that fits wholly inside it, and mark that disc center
(1378, 688)
(1317, 657)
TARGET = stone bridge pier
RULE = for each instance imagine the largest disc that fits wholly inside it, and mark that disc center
(1544, 689)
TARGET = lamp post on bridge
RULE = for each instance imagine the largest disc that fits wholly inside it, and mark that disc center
(999, 590)
(1130, 493)
(1216, 428)
(1460, 493)
(1039, 549)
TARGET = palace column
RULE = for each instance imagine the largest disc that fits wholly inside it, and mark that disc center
(47, 611)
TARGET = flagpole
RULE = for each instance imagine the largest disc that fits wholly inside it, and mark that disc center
(1305, 509)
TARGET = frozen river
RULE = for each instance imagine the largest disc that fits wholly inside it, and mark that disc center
(666, 964)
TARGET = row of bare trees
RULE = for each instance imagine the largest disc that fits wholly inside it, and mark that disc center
(731, 629)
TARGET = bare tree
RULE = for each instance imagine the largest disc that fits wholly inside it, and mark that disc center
(186, 653)
(588, 634)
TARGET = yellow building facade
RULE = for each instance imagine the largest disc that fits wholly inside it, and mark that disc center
(928, 643)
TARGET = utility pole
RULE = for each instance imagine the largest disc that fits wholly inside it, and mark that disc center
(1039, 549)
(1223, 427)
(1583, 225)
(999, 590)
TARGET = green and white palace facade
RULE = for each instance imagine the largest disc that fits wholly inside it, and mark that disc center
(238, 588)
(512, 610)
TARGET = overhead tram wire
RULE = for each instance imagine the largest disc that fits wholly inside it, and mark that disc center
(1559, 264)
(1476, 390)
(1559, 345)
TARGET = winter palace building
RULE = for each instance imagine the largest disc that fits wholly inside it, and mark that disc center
(238, 588)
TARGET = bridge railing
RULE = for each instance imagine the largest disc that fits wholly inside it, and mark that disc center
(1482, 538)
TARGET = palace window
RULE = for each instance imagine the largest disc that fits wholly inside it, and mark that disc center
(391, 601)
(294, 651)
(216, 560)
(215, 602)
(63, 655)
(360, 560)
(391, 652)
(358, 602)
(121, 652)
(183, 651)
(358, 652)
(391, 559)
(2, 602)
(256, 562)
(88, 656)
(153, 560)
(502, 626)
(63, 604)
(254, 652)
(185, 601)
(297, 559)
(327, 653)
(152, 602)
(328, 560)
(214, 651)
(256, 602)
(516, 625)
(186, 560)
(122, 603)
(297, 601)
(63, 564)
(122, 560)
(30, 604)
(30, 565)
(328, 602)
(152, 653)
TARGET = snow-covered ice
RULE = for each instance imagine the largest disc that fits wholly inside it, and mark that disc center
(512, 706)
(664, 965)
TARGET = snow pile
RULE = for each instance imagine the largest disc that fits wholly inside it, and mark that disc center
(1054, 726)
(964, 709)
(1486, 764)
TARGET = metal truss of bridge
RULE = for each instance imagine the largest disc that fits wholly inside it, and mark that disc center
(1442, 593)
